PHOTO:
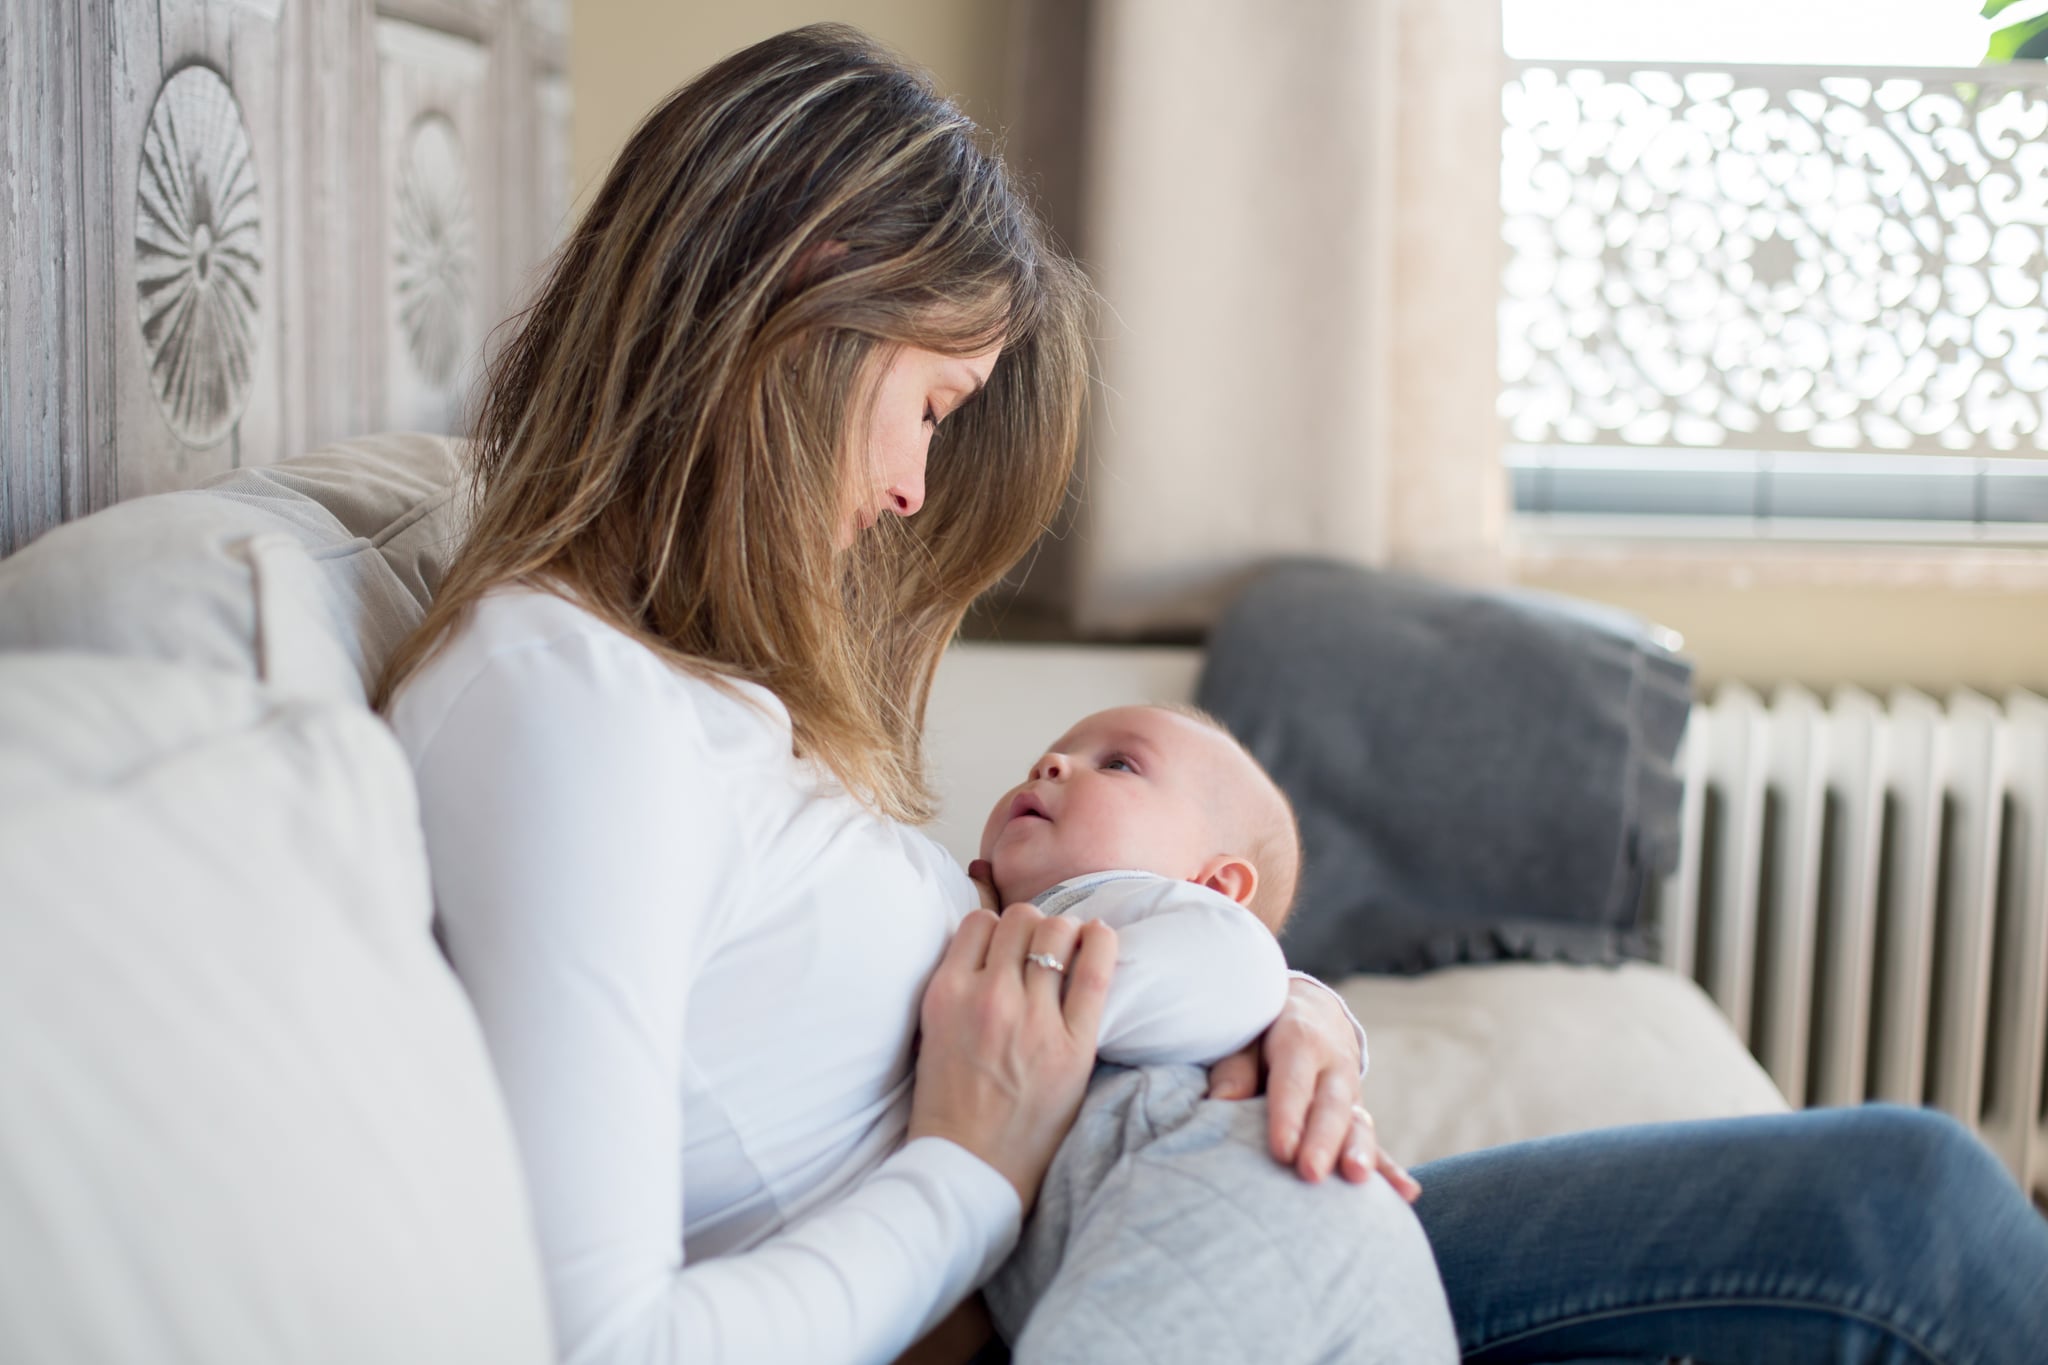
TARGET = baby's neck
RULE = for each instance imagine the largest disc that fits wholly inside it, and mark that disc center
(1032, 889)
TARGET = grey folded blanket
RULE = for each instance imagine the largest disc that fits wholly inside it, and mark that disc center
(1478, 774)
(1165, 1234)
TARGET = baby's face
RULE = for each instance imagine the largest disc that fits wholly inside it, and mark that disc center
(1135, 787)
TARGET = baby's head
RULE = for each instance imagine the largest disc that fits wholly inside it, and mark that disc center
(1161, 789)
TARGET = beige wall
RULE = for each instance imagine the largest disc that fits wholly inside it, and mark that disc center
(628, 54)
(1935, 638)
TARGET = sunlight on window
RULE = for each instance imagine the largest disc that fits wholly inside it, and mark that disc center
(1802, 32)
(1745, 283)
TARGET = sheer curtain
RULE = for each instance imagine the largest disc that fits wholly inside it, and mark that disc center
(1291, 212)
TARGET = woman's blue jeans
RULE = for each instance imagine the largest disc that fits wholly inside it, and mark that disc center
(1878, 1234)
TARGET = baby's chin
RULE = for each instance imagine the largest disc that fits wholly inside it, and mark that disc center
(1017, 881)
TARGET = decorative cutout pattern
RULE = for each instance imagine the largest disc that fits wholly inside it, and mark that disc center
(198, 255)
(436, 264)
(1776, 259)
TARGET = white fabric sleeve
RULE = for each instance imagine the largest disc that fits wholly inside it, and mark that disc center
(585, 852)
(1197, 975)
(1364, 1056)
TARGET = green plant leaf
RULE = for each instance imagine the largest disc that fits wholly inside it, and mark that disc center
(1992, 7)
(2014, 41)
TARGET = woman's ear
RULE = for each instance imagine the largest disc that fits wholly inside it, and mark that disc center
(813, 263)
(1235, 877)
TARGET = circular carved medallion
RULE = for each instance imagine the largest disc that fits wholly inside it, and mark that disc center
(198, 255)
(436, 249)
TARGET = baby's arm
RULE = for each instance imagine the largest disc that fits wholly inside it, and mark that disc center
(1197, 976)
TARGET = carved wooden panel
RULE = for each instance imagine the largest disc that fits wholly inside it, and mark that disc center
(56, 463)
(235, 229)
(437, 199)
(551, 104)
(192, 184)
(199, 255)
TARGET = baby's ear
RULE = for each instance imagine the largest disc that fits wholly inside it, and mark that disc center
(1235, 877)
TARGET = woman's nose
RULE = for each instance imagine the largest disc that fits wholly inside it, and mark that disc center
(1050, 768)
(906, 496)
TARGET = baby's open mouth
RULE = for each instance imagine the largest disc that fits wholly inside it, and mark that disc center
(1026, 804)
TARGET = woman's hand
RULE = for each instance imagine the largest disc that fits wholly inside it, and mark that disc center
(1310, 1062)
(1008, 1044)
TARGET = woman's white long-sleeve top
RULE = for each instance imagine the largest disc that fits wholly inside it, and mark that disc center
(698, 966)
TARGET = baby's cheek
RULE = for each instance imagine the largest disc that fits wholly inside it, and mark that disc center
(998, 820)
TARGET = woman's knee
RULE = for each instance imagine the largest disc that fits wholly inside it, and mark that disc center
(1895, 1190)
(1904, 1148)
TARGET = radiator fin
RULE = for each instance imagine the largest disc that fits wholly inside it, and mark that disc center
(1863, 889)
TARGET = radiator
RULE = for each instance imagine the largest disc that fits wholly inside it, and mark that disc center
(1863, 888)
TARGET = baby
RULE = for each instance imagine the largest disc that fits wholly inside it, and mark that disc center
(1155, 820)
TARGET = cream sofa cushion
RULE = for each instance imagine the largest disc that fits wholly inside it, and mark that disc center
(248, 1116)
(1471, 1057)
(306, 574)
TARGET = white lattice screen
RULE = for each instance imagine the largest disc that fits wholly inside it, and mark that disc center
(1776, 258)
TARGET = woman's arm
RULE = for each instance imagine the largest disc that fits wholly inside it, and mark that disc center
(586, 855)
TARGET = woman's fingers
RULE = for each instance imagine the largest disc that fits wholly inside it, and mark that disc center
(1311, 1058)
(1363, 1158)
(1055, 938)
(1236, 1077)
(1012, 937)
(1405, 1185)
(1328, 1124)
(1088, 973)
(1290, 1085)
(1361, 1150)
(969, 948)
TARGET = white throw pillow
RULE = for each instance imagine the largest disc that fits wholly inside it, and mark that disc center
(249, 1116)
(306, 573)
(1471, 1057)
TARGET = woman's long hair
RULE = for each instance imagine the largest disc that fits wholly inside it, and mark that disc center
(669, 438)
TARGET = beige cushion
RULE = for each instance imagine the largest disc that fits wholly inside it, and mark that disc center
(1471, 1057)
(306, 574)
(248, 1114)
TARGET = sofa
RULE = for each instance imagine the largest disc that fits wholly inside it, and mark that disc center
(248, 1114)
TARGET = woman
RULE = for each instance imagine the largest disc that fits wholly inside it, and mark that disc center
(665, 713)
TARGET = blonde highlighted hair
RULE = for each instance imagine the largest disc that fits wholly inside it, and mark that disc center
(667, 437)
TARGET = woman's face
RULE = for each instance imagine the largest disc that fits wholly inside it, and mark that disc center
(919, 390)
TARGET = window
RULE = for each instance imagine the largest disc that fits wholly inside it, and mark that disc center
(1775, 270)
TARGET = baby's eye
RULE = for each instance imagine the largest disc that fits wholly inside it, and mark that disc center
(1119, 763)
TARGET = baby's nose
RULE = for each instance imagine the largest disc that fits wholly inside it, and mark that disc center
(1051, 767)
